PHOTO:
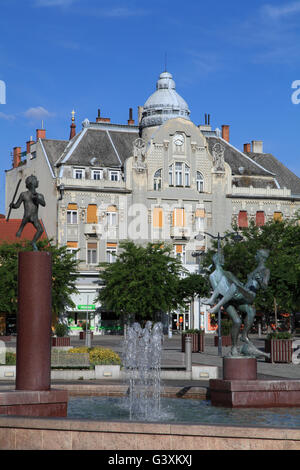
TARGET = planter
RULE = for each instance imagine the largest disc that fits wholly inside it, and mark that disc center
(197, 342)
(61, 341)
(226, 340)
(82, 335)
(280, 350)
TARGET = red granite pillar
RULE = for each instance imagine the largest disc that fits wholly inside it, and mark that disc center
(33, 368)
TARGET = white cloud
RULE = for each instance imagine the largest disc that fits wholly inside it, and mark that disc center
(7, 117)
(277, 12)
(37, 113)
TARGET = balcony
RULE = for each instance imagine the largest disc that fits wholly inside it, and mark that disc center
(93, 229)
(180, 233)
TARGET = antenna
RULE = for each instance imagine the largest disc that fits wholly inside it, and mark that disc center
(165, 61)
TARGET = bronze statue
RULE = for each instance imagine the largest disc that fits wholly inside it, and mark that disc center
(236, 296)
(31, 200)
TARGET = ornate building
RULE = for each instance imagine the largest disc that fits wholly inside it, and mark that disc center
(164, 179)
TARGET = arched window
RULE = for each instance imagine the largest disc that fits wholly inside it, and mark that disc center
(157, 180)
(200, 182)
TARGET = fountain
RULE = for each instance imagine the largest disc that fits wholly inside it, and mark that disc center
(142, 363)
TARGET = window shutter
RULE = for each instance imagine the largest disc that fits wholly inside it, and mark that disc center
(91, 217)
(260, 218)
(243, 219)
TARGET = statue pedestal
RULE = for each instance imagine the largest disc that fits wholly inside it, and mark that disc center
(33, 395)
(239, 368)
(240, 388)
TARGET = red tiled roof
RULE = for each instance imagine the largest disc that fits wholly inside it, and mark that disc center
(9, 229)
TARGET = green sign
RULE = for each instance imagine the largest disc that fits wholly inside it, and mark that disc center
(86, 307)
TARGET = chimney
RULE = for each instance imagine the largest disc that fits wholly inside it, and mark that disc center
(72, 126)
(28, 145)
(130, 120)
(101, 119)
(247, 148)
(225, 132)
(257, 146)
(17, 157)
(40, 134)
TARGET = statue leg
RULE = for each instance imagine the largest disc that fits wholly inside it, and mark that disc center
(235, 330)
(225, 299)
(250, 315)
(19, 232)
(39, 232)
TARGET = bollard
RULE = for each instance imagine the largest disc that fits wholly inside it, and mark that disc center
(188, 353)
(88, 338)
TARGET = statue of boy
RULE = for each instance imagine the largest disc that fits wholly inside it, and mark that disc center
(31, 200)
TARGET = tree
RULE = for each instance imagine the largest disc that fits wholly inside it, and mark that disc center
(63, 275)
(143, 282)
(282, 238)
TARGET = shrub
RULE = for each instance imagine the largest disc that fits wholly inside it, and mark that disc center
(10, 358)
(191, 331)
(98, 355)
(61, 329)
(279, 335)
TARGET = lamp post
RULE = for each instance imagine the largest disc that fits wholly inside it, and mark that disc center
(236, 238)
(198, 254)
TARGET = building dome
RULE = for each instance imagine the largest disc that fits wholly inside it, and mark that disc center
(165, 103)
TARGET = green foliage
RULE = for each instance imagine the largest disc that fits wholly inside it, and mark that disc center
(279, 335)
(143, 282)
(193, 331)
(193, 284)
(226, 326)
(10, 358)
(61, 329)
(63, 275)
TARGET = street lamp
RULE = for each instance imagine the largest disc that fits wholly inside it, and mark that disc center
(198, 254)
(237, 238)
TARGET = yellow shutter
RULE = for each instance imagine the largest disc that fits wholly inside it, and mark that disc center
(72, 207)
(178, 217)
(200, 213)
(178, 249)
(92, 246)
(111, 245)
(91, 217)
(157, 217)
(111, 209)
(277, 216)
(72, 244)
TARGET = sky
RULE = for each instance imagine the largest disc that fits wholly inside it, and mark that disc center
(237, 61)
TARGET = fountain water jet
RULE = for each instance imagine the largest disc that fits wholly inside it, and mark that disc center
(142, 364)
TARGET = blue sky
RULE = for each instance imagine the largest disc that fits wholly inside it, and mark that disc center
(234, 60)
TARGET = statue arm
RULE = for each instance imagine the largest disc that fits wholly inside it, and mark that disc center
(17, 204)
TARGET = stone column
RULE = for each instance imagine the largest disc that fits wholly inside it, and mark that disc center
(33, 367)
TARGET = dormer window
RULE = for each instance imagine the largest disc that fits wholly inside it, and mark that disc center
(78, 173)
(97, 174)
(114, 175)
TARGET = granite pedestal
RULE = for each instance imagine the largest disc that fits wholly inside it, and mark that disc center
(240, 388)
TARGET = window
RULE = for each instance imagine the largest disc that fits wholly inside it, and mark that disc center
(72, 217)
(97, 174)
(178, 217)
(158, 217)
(114, 175)
(180, 174)
(78, 173)
(200, 182)
(179, 252)
(243, 219)
(277, 216)
(72, 248)
(112, 216)
(157, 180)
(200, 220)
(260, 218)
(92, 253)
(91, 216)
(111, 252)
